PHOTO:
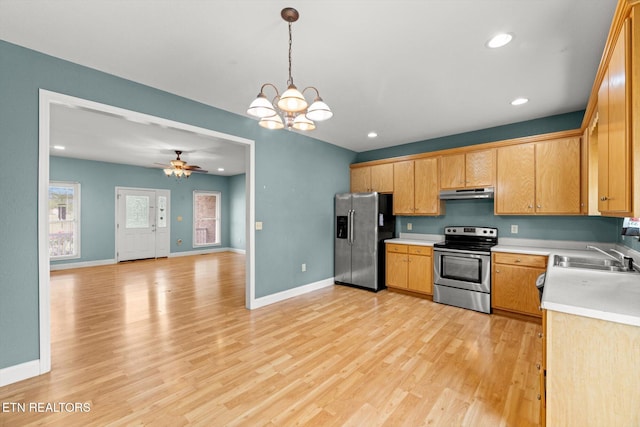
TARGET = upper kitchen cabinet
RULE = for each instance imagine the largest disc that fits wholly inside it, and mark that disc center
(467, 170)
(539, 178)
(416, 187)
(372, 178)
(614, 131)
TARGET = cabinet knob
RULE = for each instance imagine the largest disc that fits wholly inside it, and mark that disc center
(497, 271)
(538, 366)
(530, 206)
(604, 198)
(539, 397)
(539, 206)
(518, 260)
(539, 334)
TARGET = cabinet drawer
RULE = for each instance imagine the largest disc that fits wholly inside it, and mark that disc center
(394, 247)
(421, 250)
(539, 261)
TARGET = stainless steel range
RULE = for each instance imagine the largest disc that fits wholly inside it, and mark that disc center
(462, 267)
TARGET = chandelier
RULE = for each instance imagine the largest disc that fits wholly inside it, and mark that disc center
(292, 109)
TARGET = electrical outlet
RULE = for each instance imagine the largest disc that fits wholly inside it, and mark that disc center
(304, 267)
(514, 229)
(258, 225)
(409, 226)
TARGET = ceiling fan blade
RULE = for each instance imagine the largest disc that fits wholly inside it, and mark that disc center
(191, 167)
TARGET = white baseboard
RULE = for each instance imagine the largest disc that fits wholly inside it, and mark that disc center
(198, 252)
(13, 374)
(290, 293)
(68, 265)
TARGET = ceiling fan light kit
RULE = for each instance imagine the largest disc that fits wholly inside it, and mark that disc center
(291, 105)
(180, 169)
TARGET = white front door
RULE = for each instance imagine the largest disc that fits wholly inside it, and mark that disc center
(142, 227)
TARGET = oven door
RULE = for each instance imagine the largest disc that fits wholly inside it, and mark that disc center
(462, 269)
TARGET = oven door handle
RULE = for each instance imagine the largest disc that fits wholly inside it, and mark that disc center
(469, 254)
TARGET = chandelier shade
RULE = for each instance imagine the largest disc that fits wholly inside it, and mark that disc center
(291, 109)
(261, 107)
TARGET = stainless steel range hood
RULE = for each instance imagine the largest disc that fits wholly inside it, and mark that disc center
(467, 193)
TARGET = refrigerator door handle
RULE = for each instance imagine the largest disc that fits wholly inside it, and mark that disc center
(351, 215)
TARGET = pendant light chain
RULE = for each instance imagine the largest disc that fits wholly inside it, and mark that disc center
(290, 81)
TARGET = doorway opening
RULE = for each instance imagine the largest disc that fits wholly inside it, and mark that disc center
(47, 100)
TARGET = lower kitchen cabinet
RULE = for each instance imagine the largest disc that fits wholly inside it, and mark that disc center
(514, 282)
(410, 267)
(592, 373)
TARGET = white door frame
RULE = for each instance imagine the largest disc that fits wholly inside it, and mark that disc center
(46, 99)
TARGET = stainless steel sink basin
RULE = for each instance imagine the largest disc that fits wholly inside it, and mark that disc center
(603, 264)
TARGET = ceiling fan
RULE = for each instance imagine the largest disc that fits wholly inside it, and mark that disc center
(179, 168)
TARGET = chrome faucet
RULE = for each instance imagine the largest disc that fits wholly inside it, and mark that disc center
(595, 248)
(626, 261)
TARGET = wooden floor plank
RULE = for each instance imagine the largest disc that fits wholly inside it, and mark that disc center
(169, 342)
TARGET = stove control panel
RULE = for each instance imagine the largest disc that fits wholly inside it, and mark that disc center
(471, 231)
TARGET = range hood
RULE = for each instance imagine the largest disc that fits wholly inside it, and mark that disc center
(467, 193)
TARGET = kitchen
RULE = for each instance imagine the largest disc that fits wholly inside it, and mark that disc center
(273, 159)
(586, 296)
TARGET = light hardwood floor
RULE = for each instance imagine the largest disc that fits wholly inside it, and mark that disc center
(169, 342)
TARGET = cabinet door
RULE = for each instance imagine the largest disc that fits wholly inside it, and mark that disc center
(619, 158)
(403, 195)
(452, 171)
(360, 180)
(514, 289)
(558, 176)
(397, 267)
(382, 178)
(480, 168)
(426, 194)
(515, 179)
(420, 278)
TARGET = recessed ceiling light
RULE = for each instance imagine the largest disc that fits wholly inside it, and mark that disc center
(499, 40)
(519, 101)
(58, 147)
(220, 169)
(372, 134)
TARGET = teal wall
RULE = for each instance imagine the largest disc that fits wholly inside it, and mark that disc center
(97, 187)
(549, 124)
(296, 178)
(238, 209)
(480, 213)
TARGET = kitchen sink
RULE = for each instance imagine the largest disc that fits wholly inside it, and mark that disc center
(603, 264)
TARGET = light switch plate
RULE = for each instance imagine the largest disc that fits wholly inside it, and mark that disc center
(514, 229)
(258, 225)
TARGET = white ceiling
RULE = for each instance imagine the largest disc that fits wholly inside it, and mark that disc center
(409, 70)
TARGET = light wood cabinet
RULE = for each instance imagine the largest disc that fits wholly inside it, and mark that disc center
(592, 373)
(514, 282)
(466, 170)
(539, 178)
(372, 178)
(410, 267)
(416, 187)
(614, 145)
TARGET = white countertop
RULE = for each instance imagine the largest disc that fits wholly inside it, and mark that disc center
(416, 242)
(605, 295)
(416, 239)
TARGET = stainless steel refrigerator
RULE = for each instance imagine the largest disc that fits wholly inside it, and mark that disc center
(363, 222)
